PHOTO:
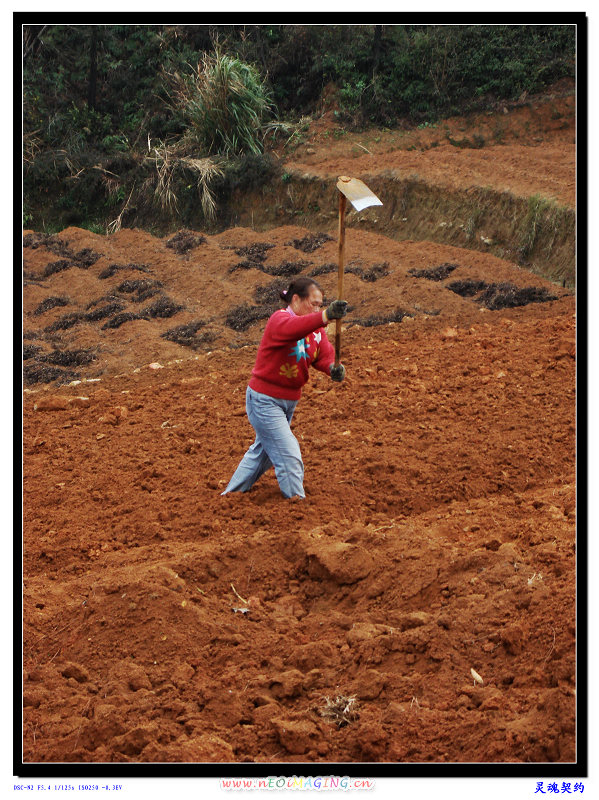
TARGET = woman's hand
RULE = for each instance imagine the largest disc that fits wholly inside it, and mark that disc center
(336, 310)
(337, 372)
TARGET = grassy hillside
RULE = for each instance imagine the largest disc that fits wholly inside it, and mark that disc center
(115, 117)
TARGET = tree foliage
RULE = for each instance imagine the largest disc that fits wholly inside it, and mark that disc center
(98, 99)
(383, 72)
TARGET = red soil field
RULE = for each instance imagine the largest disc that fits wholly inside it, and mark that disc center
(418, 606)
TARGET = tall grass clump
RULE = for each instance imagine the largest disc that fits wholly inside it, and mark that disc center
(170, 160)
(225, 104)
(538, 211)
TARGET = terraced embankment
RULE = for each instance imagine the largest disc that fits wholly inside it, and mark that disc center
(502, 183)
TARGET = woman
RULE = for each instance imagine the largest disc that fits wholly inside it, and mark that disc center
(294, 339)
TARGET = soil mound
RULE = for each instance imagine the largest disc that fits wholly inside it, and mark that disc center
(102, 305)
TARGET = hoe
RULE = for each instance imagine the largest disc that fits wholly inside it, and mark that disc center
(360, 196)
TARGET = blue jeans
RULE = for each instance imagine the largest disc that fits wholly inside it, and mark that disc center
(275, 445)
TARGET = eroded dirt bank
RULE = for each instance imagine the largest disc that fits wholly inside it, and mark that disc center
(526, 148)
(499, 182)
(164, 622)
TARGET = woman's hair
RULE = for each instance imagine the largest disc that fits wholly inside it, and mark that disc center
(300, 286)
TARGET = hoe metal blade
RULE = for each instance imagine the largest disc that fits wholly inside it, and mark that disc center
(358, 194)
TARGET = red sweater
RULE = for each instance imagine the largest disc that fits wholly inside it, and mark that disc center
(290, 343)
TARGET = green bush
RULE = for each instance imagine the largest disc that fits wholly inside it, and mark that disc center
(246, 172)
(381, 72)
(430, 71)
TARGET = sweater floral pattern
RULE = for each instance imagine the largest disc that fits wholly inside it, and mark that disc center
(290, 345)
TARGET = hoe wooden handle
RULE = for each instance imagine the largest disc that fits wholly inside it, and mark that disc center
(341, 245)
